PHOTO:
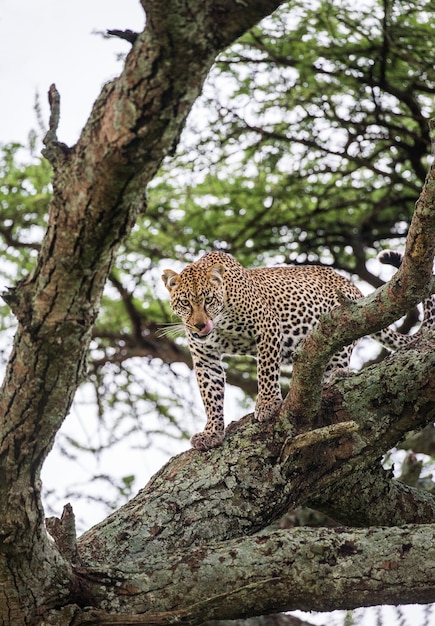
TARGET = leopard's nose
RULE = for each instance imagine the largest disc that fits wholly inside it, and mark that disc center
(204, 329)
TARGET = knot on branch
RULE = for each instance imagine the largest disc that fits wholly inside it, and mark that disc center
(18, 299)
(63, 531)
(55, 151)
(128, 35)
(314, 437)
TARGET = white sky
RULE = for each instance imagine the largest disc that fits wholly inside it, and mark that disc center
(52, 41)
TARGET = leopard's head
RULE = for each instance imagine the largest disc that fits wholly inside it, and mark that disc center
(197, 296)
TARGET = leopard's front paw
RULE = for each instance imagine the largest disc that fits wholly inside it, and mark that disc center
(205, 441)
(266, 410)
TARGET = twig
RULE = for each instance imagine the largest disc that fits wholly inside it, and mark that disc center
(63, 531)
(55, 151)
(53, 124)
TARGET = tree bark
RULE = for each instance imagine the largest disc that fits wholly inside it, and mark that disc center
(308, 569)
(195, 523)
(258, 474)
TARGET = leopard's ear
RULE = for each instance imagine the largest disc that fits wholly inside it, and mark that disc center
(170, 278)
(216, 274)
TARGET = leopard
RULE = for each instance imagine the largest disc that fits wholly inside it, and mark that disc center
(227, 309)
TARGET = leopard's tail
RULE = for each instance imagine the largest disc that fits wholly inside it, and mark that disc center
(391, 339)
(390, 257)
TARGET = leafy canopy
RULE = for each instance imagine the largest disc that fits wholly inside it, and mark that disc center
(318, 138)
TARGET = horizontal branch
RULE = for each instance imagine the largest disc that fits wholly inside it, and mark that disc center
(304, 568)
(373, 498)
(92, 617)
(118, 347)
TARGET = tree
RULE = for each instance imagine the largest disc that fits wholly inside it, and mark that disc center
(194, 544)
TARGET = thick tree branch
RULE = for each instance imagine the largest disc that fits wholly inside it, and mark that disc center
(101, 618)
(372, 498)
(226, 494)
(308, 568)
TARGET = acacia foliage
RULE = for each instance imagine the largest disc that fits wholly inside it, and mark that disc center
(319, 138)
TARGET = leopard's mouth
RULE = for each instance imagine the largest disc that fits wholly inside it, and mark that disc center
(204, 331)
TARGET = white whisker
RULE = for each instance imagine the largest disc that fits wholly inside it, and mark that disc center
(172, 330)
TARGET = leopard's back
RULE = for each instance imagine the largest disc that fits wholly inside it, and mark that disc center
(298, 295)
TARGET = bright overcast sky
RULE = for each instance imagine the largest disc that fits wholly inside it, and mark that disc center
(52, 41)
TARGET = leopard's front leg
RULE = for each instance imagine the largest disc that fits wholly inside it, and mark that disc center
(269, 346)
(211, 381)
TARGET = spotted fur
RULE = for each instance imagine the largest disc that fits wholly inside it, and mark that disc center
(266, 312)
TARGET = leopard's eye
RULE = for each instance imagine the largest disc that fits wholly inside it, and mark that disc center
(184, 302)
(208, 299)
